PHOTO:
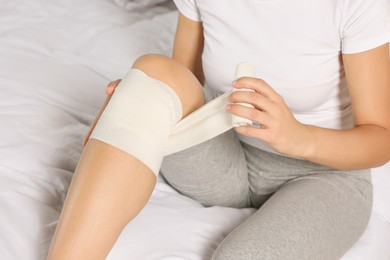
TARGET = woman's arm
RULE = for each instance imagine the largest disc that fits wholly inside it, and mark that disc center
(366, 145)
(188, 46)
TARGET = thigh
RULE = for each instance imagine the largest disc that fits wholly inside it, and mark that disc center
(313, 217)
(213, 172)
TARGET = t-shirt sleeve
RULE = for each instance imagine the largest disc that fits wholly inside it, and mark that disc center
(366, 25)
(189, 9)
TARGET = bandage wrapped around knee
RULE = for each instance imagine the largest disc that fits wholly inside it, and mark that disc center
(139, 117)
(142, 119)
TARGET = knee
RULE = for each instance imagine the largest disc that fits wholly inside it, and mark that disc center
(152, 64)
(175, 75)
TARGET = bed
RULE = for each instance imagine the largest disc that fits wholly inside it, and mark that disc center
(56, 57)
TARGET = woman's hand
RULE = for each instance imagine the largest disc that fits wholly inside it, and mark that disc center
(109, 91)
(279, 128)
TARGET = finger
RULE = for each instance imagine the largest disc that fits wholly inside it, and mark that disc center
(92, 127)
(253, 114)
(109, 90)
(258, 101)
(114, 83)
(258, 133)
(111, 87)
(257, 85)
(86, 139)
(94, 123)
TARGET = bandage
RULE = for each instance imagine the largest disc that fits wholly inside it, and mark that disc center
(201, 125)
(142, 119)
(243, 69)
(139, 118)
(210, 120)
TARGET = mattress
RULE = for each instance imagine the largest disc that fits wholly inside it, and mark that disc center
(56, 57)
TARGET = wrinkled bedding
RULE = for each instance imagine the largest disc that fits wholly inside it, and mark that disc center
(56, 57)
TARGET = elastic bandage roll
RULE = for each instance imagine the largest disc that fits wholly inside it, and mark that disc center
(139, 117)
(243, 69)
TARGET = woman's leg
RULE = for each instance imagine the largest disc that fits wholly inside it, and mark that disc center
(213, 172)
(110, 187)
(311, 216)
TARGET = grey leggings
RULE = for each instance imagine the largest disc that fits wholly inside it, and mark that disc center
(305, 210)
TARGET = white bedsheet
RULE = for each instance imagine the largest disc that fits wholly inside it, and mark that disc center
(56, 57)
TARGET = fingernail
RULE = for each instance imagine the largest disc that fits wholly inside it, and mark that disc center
(234, 82)
(228, 107)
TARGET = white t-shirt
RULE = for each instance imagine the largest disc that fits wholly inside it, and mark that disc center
(296, 46)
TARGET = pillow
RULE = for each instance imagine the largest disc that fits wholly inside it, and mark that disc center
(132, 5)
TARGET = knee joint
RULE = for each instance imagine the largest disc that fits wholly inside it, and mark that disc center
(175, 75)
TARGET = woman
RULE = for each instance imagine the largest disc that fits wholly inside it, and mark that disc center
(322, 98)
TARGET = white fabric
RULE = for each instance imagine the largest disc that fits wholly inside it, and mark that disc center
(139, 118)
(132, 5)
(208, 121)
(295, 46)
(56, 57)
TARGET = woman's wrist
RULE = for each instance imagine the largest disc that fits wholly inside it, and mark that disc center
(309, 145)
